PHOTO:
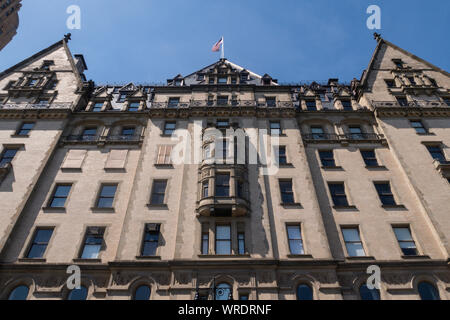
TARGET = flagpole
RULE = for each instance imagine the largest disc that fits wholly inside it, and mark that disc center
(223, 48)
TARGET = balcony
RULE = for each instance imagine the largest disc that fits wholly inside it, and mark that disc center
(36, 106)
(410, 104)
(223, 207)
(343, 138)
(112, 139)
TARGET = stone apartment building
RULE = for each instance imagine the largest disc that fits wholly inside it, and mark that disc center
(9, 20)
(89, 178)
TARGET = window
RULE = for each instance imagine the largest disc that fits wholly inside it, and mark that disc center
(32, 82)
(19, 293)
(418, 126)
(93, 242)
(205, 242)
(327, 158)
(7, 156)
(200, 77)
(233, 80)
(317, 132)
(89, 134)
(368, 294)
(241, 243)
(173, 102)
(60, 195)
(122, 97)
(337, 191)
(385, 193)
(405, 241)
(205, 189)
(412, 81)
(282, 159)
(398, 63)
(97, 107)
(221, 124)
(169, 128)
(78, 294)
(222, 185)
(223, 239)
(390, 83)
(164, 155)
(447, 101)
(25, 128)
(222, 80)
(106, 197)
(42, 101)
(304, 292)
(311, 105)
(158, 192)
(133, 106)
(40, 242)
(353, 242)
(178, 82)
(240, 189)
(369, 157)
(287, 195)
(211, 80)
(347, 105)
(222, 100)
(275, 128)
(142, 293)
(402, 101)
(151, 239)
(243, 297)
(427, 291)
(223, 291)
(355, 132)
(271, 101)
(128, 132)
(295, 239)
(436, 153)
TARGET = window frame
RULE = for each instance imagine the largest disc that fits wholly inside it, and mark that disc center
(413, 240)
(360, 242)
(89, 233)
(53, 194)
(33, 239)
(290, 240)
(154, 192)
(289, 193)
(158, 231)
(99, 195)
(226, 240)
(333, 194)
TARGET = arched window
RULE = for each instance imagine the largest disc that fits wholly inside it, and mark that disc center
(223, 291)
(368, 294)
(78, 294)
(142, 293)
(427, 291)
(304, 292)
(19, 293)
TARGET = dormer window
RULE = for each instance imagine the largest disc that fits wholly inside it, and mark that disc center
(133, 106)
(233, 80)
(222, 80)
(211, 80)
(222, 100)
(398, 63)
(311, 105)
(97, 107)
(347, 105)
(271, 101)
(390, 83)
(173, 102)
(178, 82)
(244, 77)
(402, 101)
(412, 81)
(200, 77)
(32, 82)
(122, 97)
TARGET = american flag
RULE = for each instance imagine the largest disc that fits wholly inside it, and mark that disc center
(216, 47)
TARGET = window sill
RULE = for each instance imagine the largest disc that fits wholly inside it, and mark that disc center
(165, 135)
(115, 170)
(164, 166)
(291, 205)
(54, 210)
(20, 136)
(376, 168)
(332, 168)
(35, 260)
(364, 258)
(415, 257)
(71, 169)
(102, 210)
(81, 260)
(393, 206)
(148, 257)
(157, 206)
(425, 134)
(300, 256)
(242, 256)
(285, 165)
(353, 208)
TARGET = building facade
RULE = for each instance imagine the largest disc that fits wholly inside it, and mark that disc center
(224, 184)
(9, 20)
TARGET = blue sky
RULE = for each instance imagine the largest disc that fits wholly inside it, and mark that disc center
(292, 40)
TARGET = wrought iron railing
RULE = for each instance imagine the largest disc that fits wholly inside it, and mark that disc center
(338, 137)
(20, 106)
(123, 138)
(414, 104)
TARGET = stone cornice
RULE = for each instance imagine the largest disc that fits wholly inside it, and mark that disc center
(403, 112)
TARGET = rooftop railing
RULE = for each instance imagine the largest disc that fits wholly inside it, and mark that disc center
(36, 106)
